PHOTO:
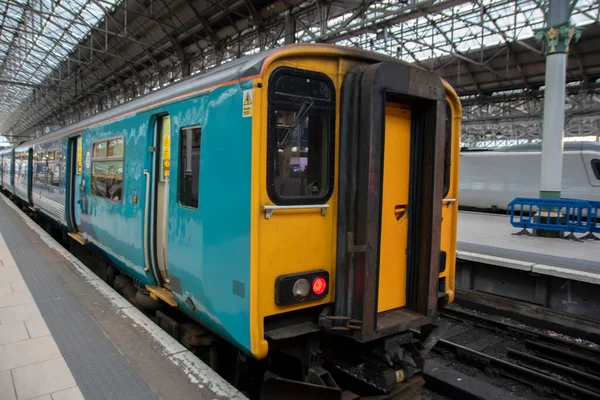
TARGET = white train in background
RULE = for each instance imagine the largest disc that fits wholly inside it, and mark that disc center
(491, 179)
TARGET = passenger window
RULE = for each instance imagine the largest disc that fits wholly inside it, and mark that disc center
(301, 141)
(596, 167)
(21, 163)
(100, 149)
(115, 148)
(54, 172)
(107, 169)
(189, 166)
(41, 168)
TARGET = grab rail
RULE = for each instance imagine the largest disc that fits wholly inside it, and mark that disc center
(146, 227)
(269, 210)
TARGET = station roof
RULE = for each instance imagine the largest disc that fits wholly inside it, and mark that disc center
(64, 60)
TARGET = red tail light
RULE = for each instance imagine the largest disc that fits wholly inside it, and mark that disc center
(319, 285)
(301, 287)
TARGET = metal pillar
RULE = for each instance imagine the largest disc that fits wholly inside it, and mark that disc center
(290, 29)
(556, 36)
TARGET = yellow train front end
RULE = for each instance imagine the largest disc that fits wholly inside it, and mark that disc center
(355, 179)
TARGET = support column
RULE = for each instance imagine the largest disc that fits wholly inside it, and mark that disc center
(290, 28)
(556, 37)
(186, 68)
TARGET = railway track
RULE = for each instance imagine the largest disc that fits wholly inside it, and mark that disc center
(551, 366)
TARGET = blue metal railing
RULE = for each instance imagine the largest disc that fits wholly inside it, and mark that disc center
(558, 215)
(595, 218)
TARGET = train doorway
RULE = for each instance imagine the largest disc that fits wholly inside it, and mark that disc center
(77, 184)
(162, 178)
(394, 208)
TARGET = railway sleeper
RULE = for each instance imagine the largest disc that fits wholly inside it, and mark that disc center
(574, 376)
(520, 373)
(562, 356)
(506, 329)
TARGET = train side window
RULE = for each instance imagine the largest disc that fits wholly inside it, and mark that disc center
(21, 170)
(189, 166)
(53, 169)
(107, 169)
(115, 148)
(41, 168)
(596, 167)
(100, 149)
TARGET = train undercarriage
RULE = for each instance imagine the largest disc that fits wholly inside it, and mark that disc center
(308, 359)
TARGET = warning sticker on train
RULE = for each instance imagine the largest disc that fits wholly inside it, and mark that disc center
(247, 104)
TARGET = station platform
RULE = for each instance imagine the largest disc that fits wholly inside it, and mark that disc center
(65, 334)
(546, 282)
(489, 239)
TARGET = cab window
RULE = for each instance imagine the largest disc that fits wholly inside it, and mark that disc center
(300, 137)
(107, 169)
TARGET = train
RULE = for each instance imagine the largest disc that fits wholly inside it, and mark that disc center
(299, 205)
(489, 180)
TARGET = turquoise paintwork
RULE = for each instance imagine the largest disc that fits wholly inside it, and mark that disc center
(208, 247)
(116, 228)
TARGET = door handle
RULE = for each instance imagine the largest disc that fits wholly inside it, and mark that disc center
(400, 211)
(146, 219)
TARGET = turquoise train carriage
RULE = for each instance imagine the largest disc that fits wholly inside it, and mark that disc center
(298, 203)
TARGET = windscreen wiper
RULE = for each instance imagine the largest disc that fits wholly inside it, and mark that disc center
(304, 108)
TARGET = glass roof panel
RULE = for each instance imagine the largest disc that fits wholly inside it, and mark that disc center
(34, 38)
(37, 35)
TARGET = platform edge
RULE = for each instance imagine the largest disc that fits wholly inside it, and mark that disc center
(197, 369)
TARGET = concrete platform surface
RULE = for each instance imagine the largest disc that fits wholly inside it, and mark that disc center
(489, 238)
(66, 335)
(31, 365)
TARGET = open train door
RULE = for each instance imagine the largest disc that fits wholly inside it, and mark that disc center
(390, 201)
(74, 206)
(161, 184)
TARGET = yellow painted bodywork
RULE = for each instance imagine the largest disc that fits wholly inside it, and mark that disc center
(163, 294)
(394, 219)
(77, 237)
(450, 206)
(293, 241)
